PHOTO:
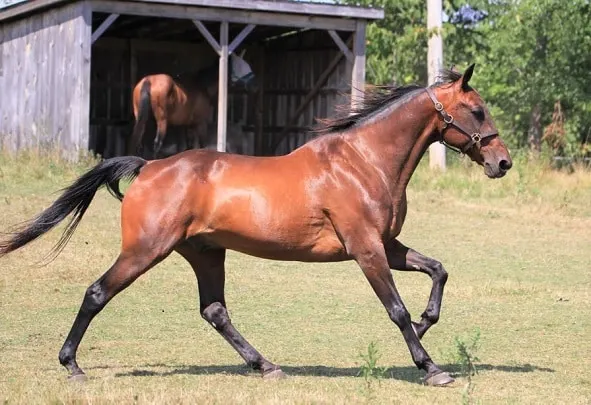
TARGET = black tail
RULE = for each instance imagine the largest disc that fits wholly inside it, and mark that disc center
(144, 109)
(75, 198)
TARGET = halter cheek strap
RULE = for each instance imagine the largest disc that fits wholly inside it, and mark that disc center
(448, 119)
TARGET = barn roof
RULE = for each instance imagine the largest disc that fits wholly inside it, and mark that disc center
(10, 9)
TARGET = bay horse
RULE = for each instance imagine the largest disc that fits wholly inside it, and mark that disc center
(341, 196)
(188, 100)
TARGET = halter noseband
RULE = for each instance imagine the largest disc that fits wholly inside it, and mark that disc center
(448, 119)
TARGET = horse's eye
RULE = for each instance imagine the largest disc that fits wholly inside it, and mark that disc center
(478, 113)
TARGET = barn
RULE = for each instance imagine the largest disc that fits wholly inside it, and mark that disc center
(67, 68)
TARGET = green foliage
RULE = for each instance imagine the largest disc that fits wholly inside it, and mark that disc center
(369, 370)
(529, 55)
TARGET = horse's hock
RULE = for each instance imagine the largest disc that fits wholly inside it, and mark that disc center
(71, 66)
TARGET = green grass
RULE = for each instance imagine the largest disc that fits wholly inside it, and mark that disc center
(517, 251)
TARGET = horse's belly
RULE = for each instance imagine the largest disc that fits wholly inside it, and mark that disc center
(275, 249)
(253, 225)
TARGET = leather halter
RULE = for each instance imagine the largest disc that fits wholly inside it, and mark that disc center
(448, 119)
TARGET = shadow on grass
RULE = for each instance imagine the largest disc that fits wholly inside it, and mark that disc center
(405, 373)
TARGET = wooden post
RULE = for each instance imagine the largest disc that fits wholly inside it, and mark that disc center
(259, 110)
(358, 79)
(223, 88)
(435, 57)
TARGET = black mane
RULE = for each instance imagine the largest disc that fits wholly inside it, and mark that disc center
(374, 99)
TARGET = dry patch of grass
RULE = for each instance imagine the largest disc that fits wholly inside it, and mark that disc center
(518, 266)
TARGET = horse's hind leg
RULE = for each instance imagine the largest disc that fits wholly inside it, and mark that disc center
(161, 129)
(126, 269)
(209, 269)
(403, 258)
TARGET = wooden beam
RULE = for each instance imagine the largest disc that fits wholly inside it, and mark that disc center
(286, 7)
(192, 12)
(260, 100)
(205, 32)
(319, 83)
(103, 27)
(289, 9)
(240, 37)
(223, 88)
(342, 46)
(358, 75)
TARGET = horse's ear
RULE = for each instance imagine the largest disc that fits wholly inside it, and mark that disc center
(467, 76)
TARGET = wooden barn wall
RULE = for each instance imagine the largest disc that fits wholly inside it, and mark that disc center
(294, 74)
(44, 77)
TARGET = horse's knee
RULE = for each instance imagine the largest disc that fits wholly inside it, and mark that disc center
(216, 314)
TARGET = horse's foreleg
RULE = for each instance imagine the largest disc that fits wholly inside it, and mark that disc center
(210, 272)
(127, 268)
(403, 258)
(372, 259)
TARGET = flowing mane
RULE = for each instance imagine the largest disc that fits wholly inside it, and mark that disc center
(375, 99)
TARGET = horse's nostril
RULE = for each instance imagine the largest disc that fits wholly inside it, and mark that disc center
(505, 164)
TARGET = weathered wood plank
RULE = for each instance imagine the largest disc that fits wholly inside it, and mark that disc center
(218, 14)
(208, 37)
(288, 8)
(47, 106)
(342, 46)
(240, 37)
(104, 26)
(358, 79)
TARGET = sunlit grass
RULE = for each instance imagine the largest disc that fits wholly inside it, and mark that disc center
(517, 250)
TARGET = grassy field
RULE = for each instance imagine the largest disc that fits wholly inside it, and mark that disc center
(518, 252)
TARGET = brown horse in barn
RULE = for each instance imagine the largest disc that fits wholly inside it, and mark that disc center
(189, 100)
(341, 196)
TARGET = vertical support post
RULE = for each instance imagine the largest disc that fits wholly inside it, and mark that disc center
(259, 109)
(358, 79)
(223, 88)
(435, 61)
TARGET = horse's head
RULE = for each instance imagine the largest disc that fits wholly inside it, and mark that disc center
(241, 73)
(465, 124)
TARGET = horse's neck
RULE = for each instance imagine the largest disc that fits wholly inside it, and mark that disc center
(396, 143)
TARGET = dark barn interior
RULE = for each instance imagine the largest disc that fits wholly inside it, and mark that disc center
(287, 63)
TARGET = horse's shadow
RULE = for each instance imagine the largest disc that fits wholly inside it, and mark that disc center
(402, 373)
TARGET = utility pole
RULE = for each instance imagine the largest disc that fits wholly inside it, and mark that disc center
(435, 62)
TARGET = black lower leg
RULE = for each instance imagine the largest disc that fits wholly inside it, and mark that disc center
(217, 316)
(375, 267)
(125, 270)
(210, 271)
(95, 299)
(403, 258)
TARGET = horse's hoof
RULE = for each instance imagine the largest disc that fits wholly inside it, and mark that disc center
(276, 374)
(78, 378)
(438, 380)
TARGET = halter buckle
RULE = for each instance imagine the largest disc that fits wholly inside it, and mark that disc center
(476, 137)
(438, 106)
(448, 118)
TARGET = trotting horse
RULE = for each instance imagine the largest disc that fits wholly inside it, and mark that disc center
(341, 196)
(188, 101)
